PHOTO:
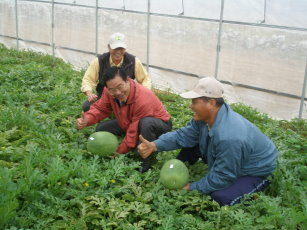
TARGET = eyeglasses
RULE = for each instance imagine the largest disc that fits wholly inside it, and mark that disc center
(120, 88)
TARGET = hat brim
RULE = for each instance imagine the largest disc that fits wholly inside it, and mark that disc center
(118, 45)
(190, 95)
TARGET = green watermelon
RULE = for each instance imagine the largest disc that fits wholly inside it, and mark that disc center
(174, 174)
(102, 143)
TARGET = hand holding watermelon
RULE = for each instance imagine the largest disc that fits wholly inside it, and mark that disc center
(186, 187)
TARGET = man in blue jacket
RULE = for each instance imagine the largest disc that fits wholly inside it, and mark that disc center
(238, 154)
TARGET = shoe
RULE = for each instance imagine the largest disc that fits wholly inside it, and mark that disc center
(145, 166)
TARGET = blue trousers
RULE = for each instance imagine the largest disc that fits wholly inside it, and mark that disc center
(233, 194)
(243, 185)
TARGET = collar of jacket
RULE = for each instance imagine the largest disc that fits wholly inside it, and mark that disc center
(133, 92)
(218, 119)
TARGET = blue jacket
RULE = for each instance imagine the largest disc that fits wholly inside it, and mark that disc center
(236, 148)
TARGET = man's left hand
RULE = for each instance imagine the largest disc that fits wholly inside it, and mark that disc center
(186, 187)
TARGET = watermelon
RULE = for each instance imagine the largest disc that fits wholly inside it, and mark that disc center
(174, 174)
(102, 143)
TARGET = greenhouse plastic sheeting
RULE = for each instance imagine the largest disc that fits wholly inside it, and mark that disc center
(260, 65)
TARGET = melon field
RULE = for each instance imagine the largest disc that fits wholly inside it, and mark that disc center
(48, 179)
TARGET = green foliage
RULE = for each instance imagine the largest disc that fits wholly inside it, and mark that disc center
(48, 180)
(8, 197)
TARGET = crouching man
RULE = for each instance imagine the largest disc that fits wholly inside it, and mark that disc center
(239, 156)
(137, 111)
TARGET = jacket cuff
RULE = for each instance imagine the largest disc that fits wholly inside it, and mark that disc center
(197, 185)
(122, 148)
(84, 89)
(159, 145)
(193, 186)
(90, 119)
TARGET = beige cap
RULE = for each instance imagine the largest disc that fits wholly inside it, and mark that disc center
(117, 40)
(206, 87)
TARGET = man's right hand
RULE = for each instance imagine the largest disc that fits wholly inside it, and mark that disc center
(91, 97)
(81, 122)
(146, 148)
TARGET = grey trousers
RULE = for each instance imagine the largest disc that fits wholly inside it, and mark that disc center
(149, 127)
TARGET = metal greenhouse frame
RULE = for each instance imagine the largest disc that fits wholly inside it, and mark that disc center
(220, 22)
